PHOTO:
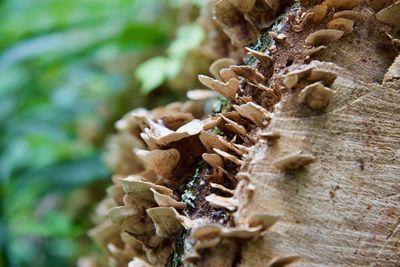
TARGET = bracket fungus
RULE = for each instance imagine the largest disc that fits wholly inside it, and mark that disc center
(390, 15)
(294, 161)
(219, 64)
(342, 24)
(257, 114)
(316, 95)
(228, 89)
(222, 202)
(323, 37)
(161, 161)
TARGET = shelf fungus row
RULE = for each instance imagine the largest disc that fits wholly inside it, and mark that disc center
(155, 150)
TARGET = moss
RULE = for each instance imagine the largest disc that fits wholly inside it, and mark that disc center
(189, 194)
(221, 106)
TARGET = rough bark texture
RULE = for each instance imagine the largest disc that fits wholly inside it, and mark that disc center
(342, 210)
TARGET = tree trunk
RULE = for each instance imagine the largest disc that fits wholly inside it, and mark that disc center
(303, 165)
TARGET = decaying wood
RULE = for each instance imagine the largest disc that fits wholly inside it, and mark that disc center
(344, 209)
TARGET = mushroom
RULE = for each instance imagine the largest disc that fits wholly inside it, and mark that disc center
(249, 73)
(161, 135)
(167, 221)
(342, 24)
(280, 38)
(208, 231)
(228, 89)
(315, 50)
(227, 74)
(222, 202)
(201, 94)
(211, 141)
(294, 161)
(265, 220)
(234, 23)
(390, 15)
(327, 77)
(291, 79)
(167, 201)
(318, 13)
(349, 14)
(255, 113)
(130, 219)
(213, 159)
(219, 64)
(161, 161)
(222, 188)
(323, 37)
(316, 95)
(228, 156)
(270, 135)
(266, 60)
(141, 190)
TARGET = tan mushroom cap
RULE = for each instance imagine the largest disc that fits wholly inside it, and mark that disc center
(201, 94)
(390, 15)
(161, 135)
(266, 60)
(323, 37)
(228, 89)
(168, 221)
(318, 13)
(250, 73)
(208, 231)
(119, 214)
(213, 159)
(161, 161)
(104, 233)
(316, 96)
(294, 161)
(141, 190)
(222, 202)
(167, 201)
(228, 156)
(255, 113)
(211, 141)
(291, 79)
(227, 74)
(327, 77)
(222, 188)
(341, 24)
(265, 220)
(234, 23)
(349, 14)
(165, 220)
(219, 64)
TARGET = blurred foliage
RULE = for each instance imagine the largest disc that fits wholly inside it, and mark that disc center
(67, 72)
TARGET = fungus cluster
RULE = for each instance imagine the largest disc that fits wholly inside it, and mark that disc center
(156, 152)
(313, 86)
(144, 212)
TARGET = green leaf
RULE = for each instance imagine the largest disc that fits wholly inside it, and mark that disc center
(152, 73)
(188, 37)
